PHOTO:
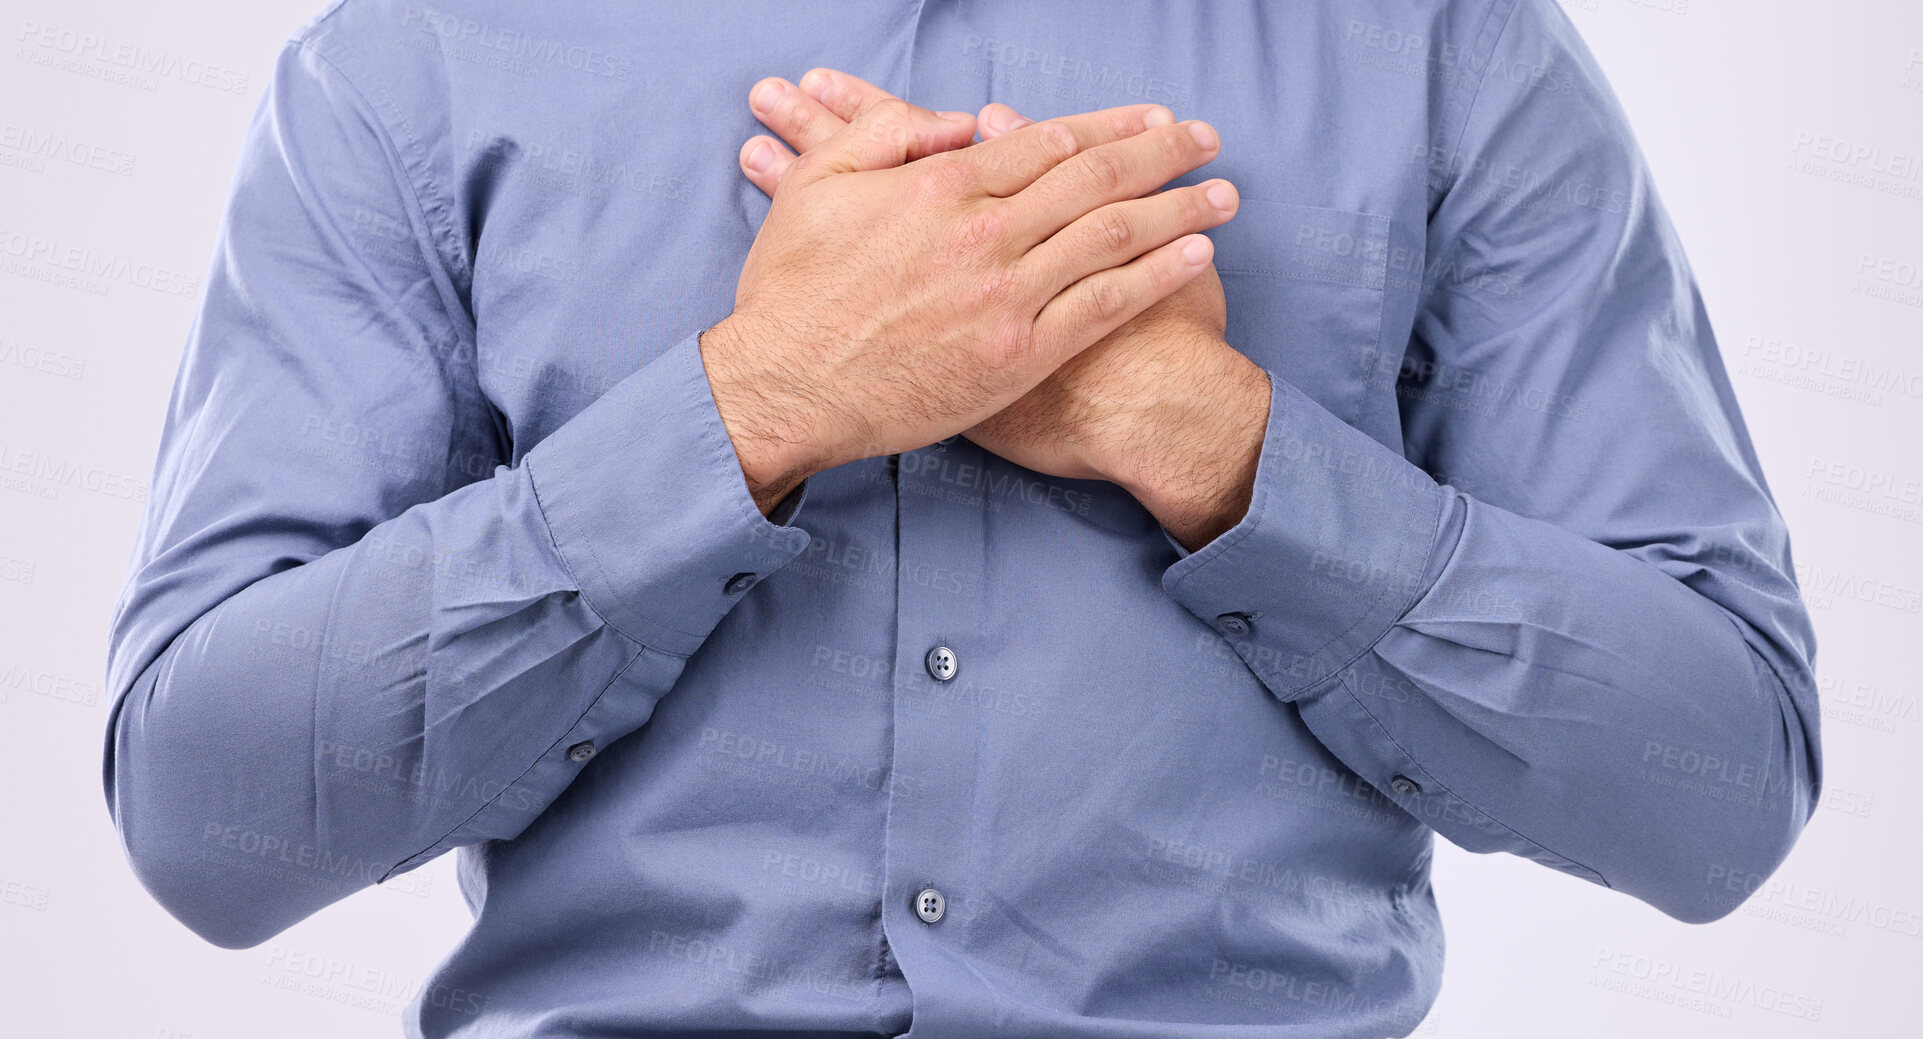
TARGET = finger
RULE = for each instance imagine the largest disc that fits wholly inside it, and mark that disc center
(845, 96)
(885, 134)
(1124, 169)
(795, 117)
(1014, 160)
(997, 119)
(1117, 233)
(841, 93)
(765, 161)
(1091, 308)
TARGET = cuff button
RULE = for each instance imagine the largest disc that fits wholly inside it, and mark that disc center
(581, 751)
(1405, 786)
(739, 583)
(1234, 624)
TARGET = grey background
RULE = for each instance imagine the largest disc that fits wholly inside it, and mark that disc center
(1787, 143)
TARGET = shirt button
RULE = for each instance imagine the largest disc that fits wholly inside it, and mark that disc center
(942, 664)
(739, 583)
(1234, 624)
(1405, 786)
(929, 904)
(581, 751)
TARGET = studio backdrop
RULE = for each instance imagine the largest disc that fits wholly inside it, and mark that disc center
(1785, 139)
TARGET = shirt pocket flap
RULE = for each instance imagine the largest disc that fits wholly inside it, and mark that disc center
(1305, 295)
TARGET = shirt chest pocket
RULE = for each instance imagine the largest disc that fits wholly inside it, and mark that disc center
(1305, 288)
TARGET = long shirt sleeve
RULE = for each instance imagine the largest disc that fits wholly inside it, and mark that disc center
(352, 638)
(1563, 621)
(448, 551)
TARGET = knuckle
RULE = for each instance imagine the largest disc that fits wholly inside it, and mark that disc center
(1102, 170)
(1177, 144)
(980, 230)
(1163, 278)
(1195, 207)
(996, 289)
(1114, 230)
(950, 178)
(1104, 298)
(1010, 343)
(1057, 140)
(890, 109)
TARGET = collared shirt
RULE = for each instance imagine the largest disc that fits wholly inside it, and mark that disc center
(448, 548)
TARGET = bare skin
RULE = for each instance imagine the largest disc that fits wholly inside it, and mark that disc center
(1161, 406)
(889, 302)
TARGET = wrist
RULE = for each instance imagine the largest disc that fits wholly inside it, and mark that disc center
(773, 443)
(1194, 455)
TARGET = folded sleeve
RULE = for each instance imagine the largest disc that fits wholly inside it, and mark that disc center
(350, 637)
(1563, 622)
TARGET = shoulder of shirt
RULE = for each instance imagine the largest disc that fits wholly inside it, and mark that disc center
(369, 45)
(381, 44)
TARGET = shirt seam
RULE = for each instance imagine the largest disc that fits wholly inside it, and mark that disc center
(422, 189)
(406, 181)
(1482, 79)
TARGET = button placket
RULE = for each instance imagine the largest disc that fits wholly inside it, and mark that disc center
(940, 575)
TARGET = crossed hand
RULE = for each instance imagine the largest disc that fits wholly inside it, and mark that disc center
(1037, 291)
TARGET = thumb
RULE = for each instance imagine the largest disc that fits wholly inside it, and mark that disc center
(997, 119)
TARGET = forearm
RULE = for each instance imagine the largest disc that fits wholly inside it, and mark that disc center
(1539, 692)
(433, 684)
(1556, 699)
(325, 725)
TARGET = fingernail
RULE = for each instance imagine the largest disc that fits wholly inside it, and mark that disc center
(1204, 135)
(813, 79)
(1158, 116)
(766, 93)
(1004, 119)
(1221, 196)
(1197, 250)
(760, 157)
(955, 117)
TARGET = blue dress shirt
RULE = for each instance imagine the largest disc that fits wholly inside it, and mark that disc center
(449, 550)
